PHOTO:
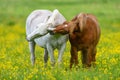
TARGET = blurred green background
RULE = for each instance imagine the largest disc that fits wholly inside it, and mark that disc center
(16, 11)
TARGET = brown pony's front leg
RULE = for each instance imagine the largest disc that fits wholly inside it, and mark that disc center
(74, 56)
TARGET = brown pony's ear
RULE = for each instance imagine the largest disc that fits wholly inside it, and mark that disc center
(82, 17)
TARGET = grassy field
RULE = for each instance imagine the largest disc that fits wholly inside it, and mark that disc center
(14, 53)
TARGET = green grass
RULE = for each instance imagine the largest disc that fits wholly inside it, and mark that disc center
(14, 53)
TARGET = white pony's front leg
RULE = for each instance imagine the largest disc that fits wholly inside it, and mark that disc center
(45, 57)
(61, 51)
(51, 54)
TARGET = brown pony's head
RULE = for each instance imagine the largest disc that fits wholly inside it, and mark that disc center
(62, 29)
(75, 25)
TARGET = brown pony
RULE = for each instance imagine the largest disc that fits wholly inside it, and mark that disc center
(84, 34)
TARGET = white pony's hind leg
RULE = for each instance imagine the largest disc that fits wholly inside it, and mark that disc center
(32, 50)
(45, 57)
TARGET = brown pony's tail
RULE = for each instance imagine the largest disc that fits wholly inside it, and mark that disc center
(82, 17)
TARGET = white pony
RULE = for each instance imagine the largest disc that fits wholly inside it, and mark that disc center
(36, 29)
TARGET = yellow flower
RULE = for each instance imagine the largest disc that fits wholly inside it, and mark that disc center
(113, 61)
(96, 78)
(105, 70)
(104, 62)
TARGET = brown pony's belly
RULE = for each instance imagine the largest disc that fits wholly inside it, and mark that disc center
(79, 44)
